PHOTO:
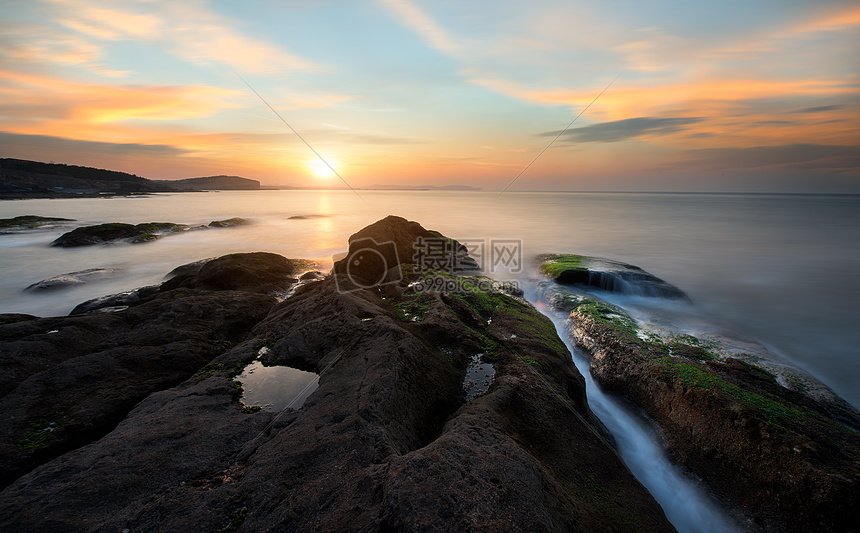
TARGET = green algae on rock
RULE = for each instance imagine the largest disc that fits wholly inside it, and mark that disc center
(788, 456)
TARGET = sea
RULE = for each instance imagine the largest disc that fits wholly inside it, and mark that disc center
(783, 270)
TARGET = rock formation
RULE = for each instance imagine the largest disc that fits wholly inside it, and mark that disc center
(132, 420)
(787, 456)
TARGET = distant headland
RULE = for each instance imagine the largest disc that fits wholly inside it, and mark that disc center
(21, 179)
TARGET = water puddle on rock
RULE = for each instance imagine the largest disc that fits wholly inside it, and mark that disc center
(479, 377)
(274, 388)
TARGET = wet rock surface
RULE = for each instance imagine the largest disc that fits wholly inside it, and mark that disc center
(117, 231)
(386, 443)
(605, 274)
(72, 278)
(786, 457)
(29, 222)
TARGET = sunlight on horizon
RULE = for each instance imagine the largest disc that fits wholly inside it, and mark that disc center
(321, 169)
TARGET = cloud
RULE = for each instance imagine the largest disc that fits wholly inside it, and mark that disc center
(98, 103)
(187, 29)
(434, 34)
(819, 109)
(799, 156)
(61, 149)
(621, 130)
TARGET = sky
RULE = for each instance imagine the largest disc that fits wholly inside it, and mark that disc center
(742, 96)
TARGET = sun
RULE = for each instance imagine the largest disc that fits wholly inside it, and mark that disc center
(319, 167)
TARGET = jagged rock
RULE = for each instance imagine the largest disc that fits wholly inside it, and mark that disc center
(72, 278)
(116, 231)
(605, 274)
(387, 442)
(378, 254)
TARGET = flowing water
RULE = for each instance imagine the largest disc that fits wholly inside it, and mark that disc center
(780, 269)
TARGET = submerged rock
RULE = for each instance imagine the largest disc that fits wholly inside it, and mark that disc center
(386, 443)
(72, 278)
(116, 231)
(229, 223)
(787, 458)
(606, 275)
(26, 222)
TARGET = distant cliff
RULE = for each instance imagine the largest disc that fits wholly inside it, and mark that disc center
(214, 183)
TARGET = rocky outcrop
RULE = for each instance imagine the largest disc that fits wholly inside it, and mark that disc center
(260, 272)
(117, 231)
(117, 302)
(788, 460)
(388, 442)
(606, 275)
(72, 278)
(229, 223)
(68, 381)
(376, 252)
(27, 222)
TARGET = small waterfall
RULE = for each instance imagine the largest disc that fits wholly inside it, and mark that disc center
(686, 504)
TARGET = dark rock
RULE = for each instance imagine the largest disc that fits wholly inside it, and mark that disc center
(122, 299)
(72, 278)
(26, 222)
(229, 223)
(305, 217)
(606, 275)
(387, 442)
(260, 272)
(311, 275)
(379, 253)
(188, 268)
(67, 381)
(116, 231)
(789, 462)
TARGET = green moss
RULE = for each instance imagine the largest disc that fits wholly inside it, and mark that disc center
(413, 307)
(237, 390)
(236, 370)
(210, 370)
(534, 323)
(30, 221)
(624, 327)
(41, 432)
(553, 265)
(251, 409)
(530, 361)
(690, 352)
(769, 408)
(234, 521)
